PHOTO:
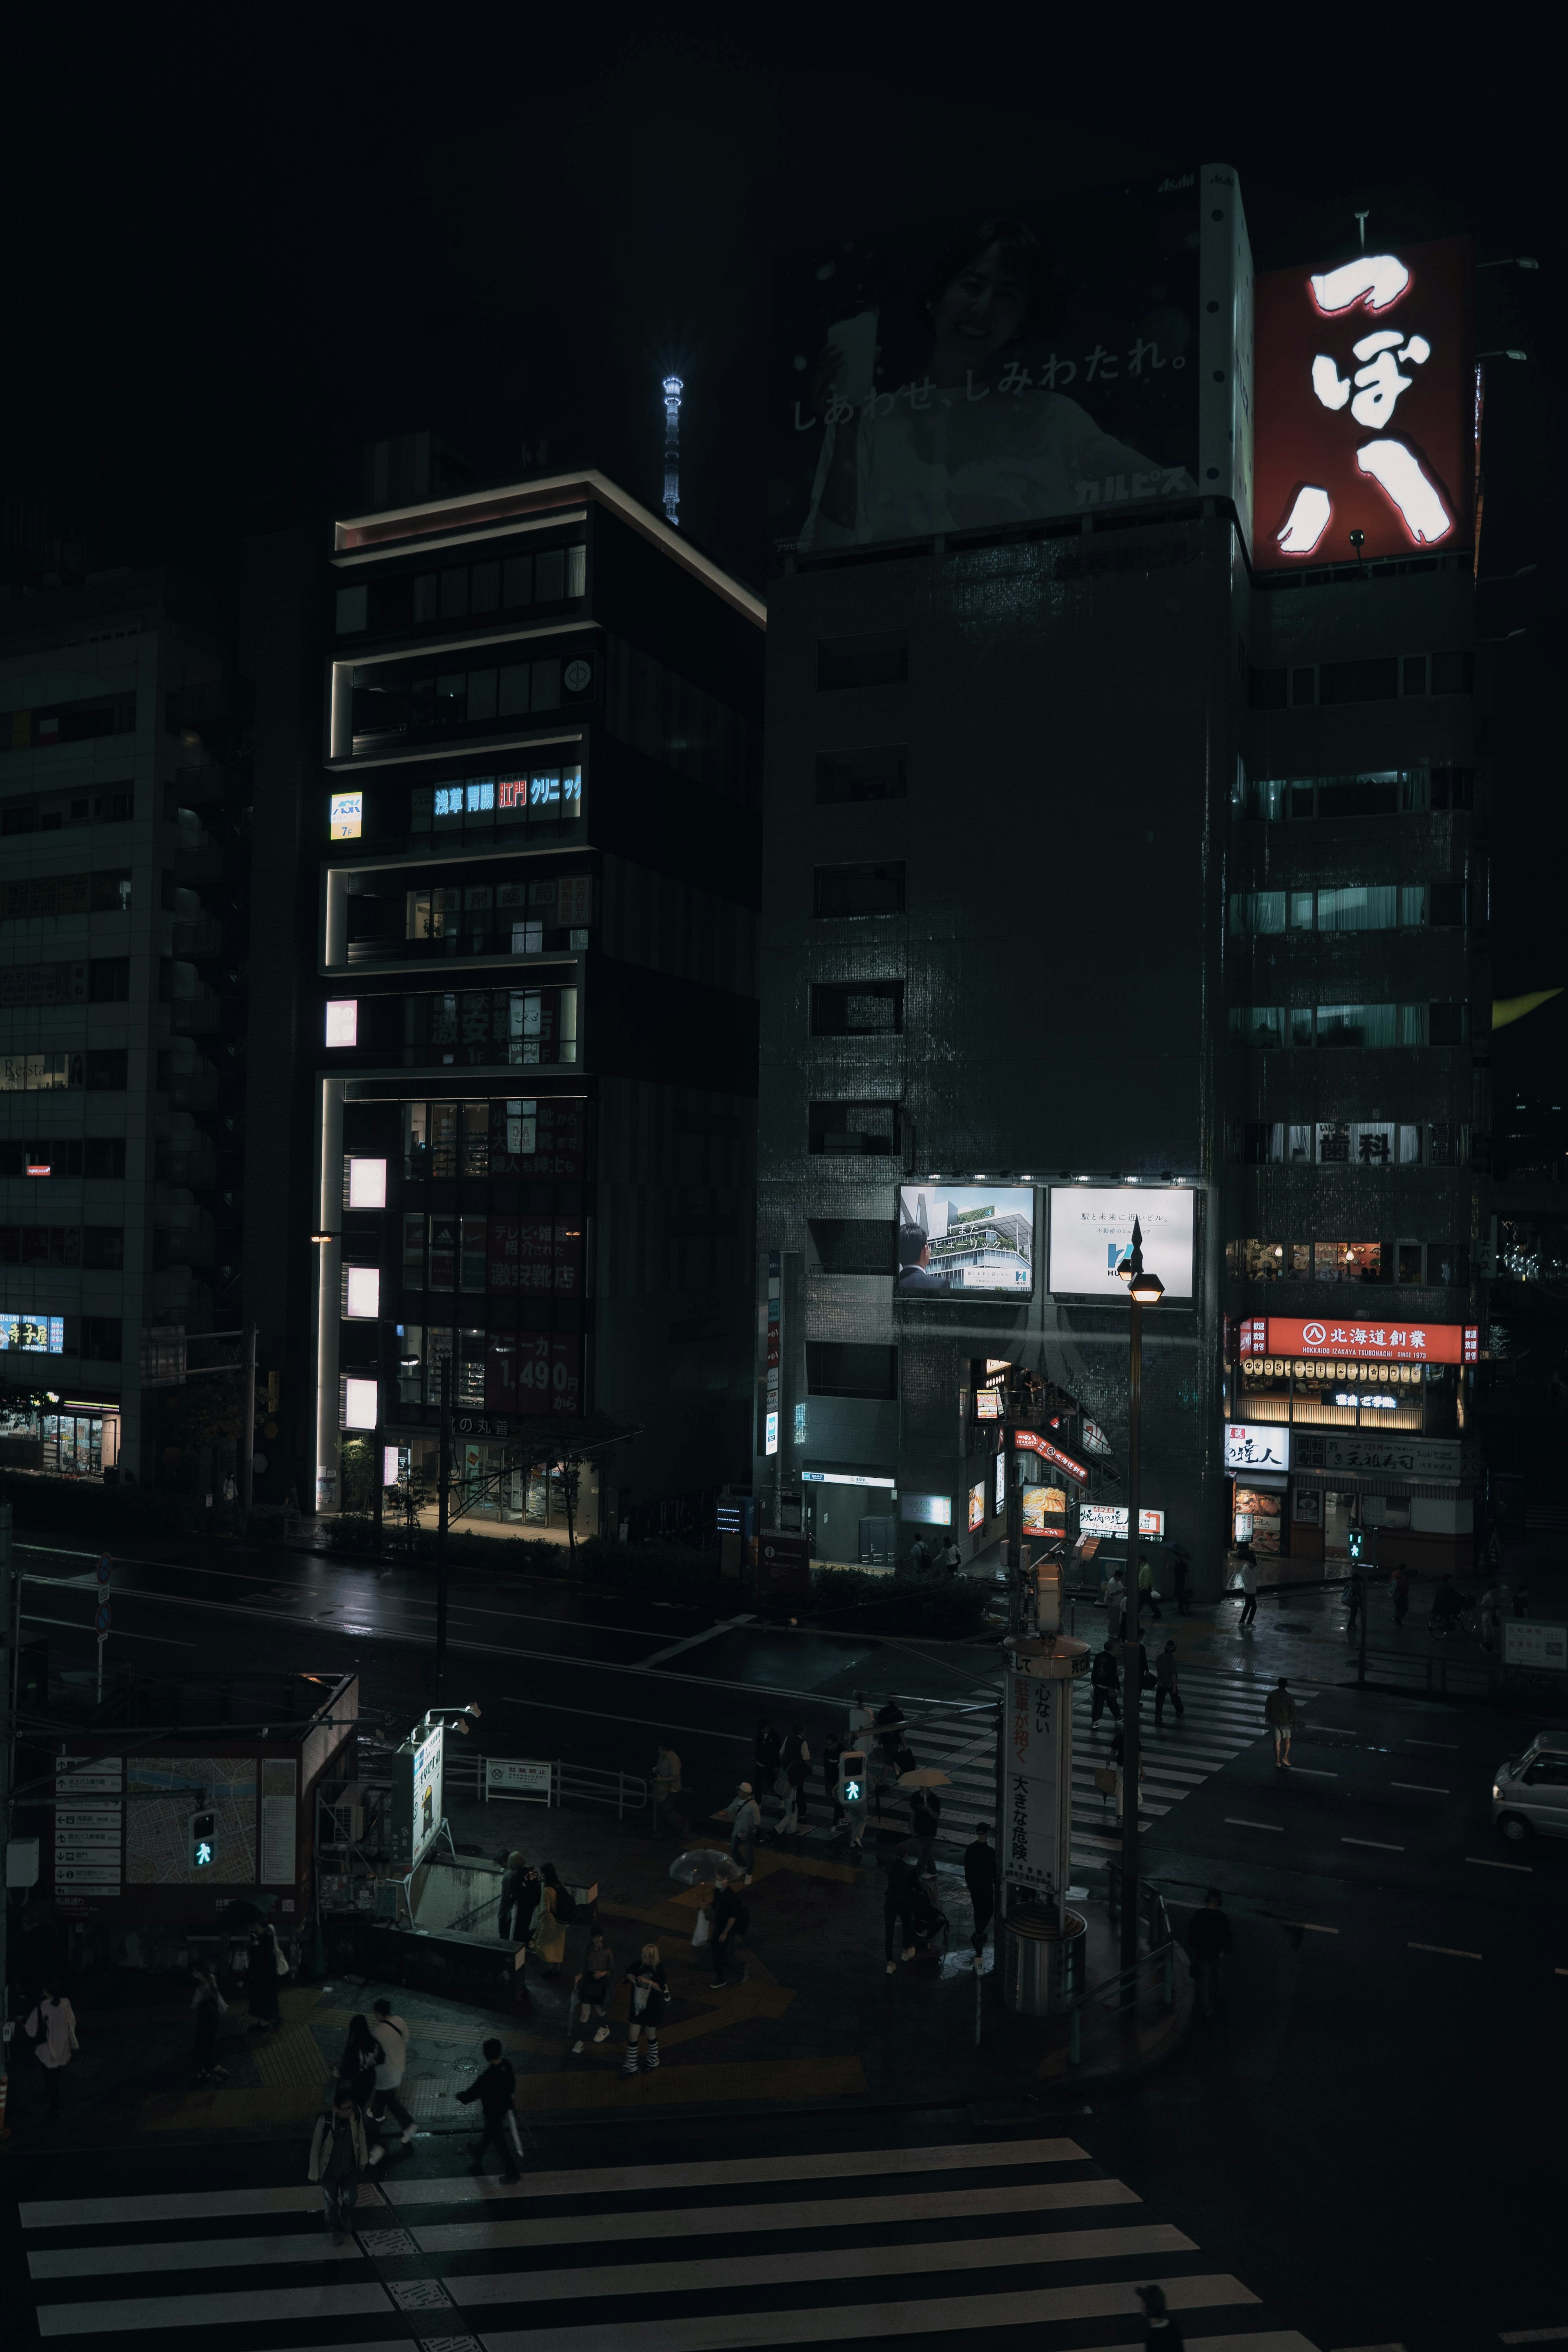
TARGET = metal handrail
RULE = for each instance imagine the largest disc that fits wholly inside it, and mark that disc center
(1118, 1986)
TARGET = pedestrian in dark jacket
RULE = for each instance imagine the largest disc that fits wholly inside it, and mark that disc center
(796, 1764)
(511, 1892)
(593, 1989)
(731, 1921)
(648, 1995)
(832, 1750)
(899, 1910)
(362, 2054)
(1167, 1689)
(207, 2005)
(925, 1820)
(261, 1974)
(765, 1770)
(1208, 1942)
(493, 2089)
(1104, 1677)
(337, 2159)
(1399, 1593)
(1160, 2329)
(980, 1877)
(889, 1737)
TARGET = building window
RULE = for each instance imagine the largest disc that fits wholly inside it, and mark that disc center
(342, 1021)
(1266, 1027)
(881, 774)
(848, 1369)
(857, 890)
(361, 1293)
(879, 659)
(1384, 792)
(862, 1008)
(854, 1245)
(852, 1128)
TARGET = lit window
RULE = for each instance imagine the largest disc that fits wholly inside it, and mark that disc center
(362, 1292)
(342, 1021)
(346, 816)
(367, 1184)
(359, 1405)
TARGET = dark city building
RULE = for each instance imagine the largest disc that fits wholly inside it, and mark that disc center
(1119, 866)
(533, 1033)
(122, 950)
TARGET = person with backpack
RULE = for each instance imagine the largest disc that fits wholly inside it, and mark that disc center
(391, 2032)
(52, 2026)
(648, 1996)
(362, 2055)
(494, 2090)
(337, 2160)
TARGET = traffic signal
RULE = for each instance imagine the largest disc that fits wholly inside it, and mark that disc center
(852, 1776)
(1355, 1545)
(203, 1840)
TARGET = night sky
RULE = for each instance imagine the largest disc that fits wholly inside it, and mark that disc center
(228, 266)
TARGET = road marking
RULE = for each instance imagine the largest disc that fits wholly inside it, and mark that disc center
(1485, 1861)
(1449, 1951)
(1311, 1927)
(1314, 1772)
(1427, 1787)
(122, 1633)
(747, 2171)
(215, 2311)
(1451, 1745)
(1533, 2336)
(1383, 1847)
(709, 1633)
(1235, 1822)
(1559, 1972)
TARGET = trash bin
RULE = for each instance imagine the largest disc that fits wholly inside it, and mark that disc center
(1042, 1962)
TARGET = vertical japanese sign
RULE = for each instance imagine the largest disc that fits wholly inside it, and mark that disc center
(1033, 1850)
(776, 1352)
(1366, 405)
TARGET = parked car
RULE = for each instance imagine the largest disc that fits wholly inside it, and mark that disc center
(1529, 1792)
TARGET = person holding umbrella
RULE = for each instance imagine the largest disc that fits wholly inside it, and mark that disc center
(925, 1809)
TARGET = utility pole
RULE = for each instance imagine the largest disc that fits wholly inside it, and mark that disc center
(442, 1514)
(247, 1437)
(1132, 1656)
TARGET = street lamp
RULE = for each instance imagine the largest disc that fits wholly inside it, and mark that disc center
(1144, 1289)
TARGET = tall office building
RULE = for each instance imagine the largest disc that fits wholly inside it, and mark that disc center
(532, 1035)
(1122, 863)
(120, 954)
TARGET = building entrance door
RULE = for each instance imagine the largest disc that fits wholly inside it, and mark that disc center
(1336, 1525)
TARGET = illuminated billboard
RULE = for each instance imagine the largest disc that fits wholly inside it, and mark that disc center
(1060, 356)
(978, 1239)
(34, 1335)
(1365, 402)
(1370, 1343)
(1091, 1232)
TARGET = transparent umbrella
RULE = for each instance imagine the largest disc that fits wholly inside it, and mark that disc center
(705, 1866)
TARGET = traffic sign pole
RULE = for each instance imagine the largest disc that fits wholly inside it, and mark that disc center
(104, 1568)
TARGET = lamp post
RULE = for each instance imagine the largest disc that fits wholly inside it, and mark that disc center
(1145, 1290)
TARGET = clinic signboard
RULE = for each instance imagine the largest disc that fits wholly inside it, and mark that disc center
(417, 1791)
(1033, 1840)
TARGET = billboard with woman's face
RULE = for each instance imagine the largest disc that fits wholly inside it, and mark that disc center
(1052, 358)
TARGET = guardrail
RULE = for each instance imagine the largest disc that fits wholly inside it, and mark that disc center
(1122, 1989)
(566, 1784)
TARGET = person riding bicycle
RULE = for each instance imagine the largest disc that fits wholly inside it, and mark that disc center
(1447, 1602)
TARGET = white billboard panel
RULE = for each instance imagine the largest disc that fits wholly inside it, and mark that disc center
(1091, 1232)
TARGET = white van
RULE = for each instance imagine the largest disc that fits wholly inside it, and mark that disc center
(1529, 1792)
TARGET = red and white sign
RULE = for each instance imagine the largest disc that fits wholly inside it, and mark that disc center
(1384, 1342)
(1030, 1441)
(1364, 390)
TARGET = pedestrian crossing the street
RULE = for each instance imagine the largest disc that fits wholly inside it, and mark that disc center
(839, 2246)
(1223, 1716)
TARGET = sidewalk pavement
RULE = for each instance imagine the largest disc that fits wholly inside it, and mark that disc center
(816, 2022)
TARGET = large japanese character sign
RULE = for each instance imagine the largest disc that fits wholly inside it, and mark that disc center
(1363, 379)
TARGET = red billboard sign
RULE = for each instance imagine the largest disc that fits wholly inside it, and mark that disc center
(1384, 1342)
(1365, 401)
(1029, 1441)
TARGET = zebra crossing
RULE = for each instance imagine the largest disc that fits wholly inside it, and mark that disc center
(837, 2246)
(1223, 1716)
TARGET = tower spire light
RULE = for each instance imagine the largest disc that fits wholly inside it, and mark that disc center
(672, 389)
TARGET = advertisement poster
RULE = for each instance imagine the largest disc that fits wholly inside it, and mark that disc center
(426, 1805)
(1051, 358)
(977, 1507)
(1045, 1511)
(1365, 397)
(979, 1239)
(1091, 1232)
(1110, 1519)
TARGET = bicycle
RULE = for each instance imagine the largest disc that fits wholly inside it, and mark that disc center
(1466, 1621)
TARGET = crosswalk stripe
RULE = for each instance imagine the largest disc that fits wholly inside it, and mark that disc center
(187, 2254)
(1039, 2307)
(154, 2311)
(754, 2271)
(186, 2205)
(754, 2171)
(806, 2213)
